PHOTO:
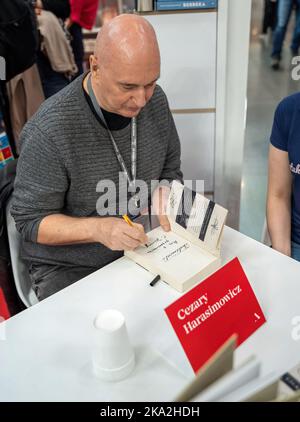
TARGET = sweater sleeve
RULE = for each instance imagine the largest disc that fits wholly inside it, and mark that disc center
(41, 182)
(60, 8)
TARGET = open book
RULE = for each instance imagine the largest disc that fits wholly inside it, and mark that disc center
(191, 250)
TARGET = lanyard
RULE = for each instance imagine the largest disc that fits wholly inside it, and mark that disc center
(131, 179)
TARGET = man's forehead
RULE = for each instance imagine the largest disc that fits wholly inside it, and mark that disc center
(135, 73)
(137, 77)
(134, 83)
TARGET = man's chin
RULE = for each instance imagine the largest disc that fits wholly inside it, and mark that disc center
(132, 112)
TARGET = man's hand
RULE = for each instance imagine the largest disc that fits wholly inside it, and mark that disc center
(68, 23)
(159, 201)
(117, 235)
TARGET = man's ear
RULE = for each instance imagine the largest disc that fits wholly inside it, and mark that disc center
(94, 65)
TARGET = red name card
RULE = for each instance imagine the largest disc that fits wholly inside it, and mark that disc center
(206, 316)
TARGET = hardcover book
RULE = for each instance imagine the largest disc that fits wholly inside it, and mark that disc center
(191, 250)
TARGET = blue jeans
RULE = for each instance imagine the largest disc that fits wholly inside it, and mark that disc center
(295, 251)
(270, 16)
(52, 81)
(77, 46)
(284, 11)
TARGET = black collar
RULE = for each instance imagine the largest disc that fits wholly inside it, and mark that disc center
(114, 121)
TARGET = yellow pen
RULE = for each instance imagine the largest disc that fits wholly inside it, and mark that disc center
(128, 221)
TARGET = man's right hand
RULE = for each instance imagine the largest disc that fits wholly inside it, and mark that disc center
(116, 234)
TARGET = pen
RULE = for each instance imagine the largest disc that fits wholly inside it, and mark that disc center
(128, 221)
(155, 280)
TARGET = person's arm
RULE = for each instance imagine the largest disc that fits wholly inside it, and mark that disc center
(39, 199)
(114, 233)
(279, 200)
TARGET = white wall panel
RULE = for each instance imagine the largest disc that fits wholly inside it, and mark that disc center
(197, 134)
(188, 52)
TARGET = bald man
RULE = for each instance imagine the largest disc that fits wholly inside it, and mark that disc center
(110, 126)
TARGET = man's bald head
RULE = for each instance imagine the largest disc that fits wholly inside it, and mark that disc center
(125, 39)
(126, 65)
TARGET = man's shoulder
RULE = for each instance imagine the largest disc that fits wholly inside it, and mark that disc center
(158, 104)
(60, 108)
(159, 95)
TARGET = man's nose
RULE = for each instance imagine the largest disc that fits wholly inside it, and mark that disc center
(140, 97)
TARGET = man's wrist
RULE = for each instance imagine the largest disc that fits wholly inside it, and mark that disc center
(94, 227)
(89, 227)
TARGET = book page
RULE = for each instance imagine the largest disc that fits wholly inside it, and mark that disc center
(176, 256)
(200, 217)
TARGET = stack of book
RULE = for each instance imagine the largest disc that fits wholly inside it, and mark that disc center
(185, 4)
(6, 154)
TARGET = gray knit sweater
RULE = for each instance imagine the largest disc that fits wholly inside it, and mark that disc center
(65, 152)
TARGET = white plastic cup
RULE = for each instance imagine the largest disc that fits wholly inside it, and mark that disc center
(113, 355)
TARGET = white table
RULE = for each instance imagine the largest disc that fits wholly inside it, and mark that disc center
(45, 351)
